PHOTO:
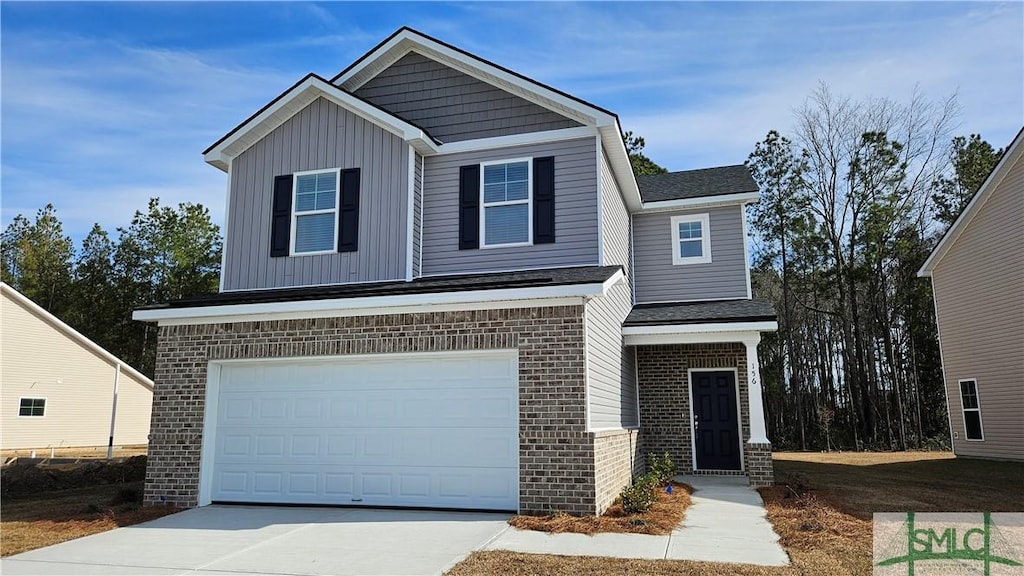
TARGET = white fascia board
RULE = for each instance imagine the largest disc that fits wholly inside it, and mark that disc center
(313, 87)
(703, 202)
(373, 305)
(517, 140)
(737, 332)
(480, 70)
(622, 168)
(1012, 155)
(75, 335)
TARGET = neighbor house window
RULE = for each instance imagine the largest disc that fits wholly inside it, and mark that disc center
(691, 239)
(315, 212)
(972, 409)
(32, 407)
(506, 209)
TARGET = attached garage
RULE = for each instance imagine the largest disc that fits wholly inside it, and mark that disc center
(436, 430)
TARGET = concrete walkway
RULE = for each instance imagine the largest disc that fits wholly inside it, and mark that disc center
(726, 523)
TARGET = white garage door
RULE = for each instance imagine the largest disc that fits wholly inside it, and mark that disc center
(434, 430)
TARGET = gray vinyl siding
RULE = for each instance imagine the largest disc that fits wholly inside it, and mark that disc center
(611, 386)
(979, 299)
(576, 238)
(453, 106)
(656, 279)
(417, 217)
(321, 136)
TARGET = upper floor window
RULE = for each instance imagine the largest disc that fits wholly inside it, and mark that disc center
(32, 407)
(315, 212)
(507, 203)
(691, 239)
(972, 410)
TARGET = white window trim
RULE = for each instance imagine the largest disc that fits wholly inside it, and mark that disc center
(46, 404)
(705, 239)
(964, 411)
(529, 204)
(295, 216)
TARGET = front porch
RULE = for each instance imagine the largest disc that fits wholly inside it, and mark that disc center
(700, 396)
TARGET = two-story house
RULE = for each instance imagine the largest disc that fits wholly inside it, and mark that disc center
(443, 286)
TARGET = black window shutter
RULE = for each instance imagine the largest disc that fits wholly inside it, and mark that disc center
(348, 215)
(469, 207)
(544, 200)
(281, 222)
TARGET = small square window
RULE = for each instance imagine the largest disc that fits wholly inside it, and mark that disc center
(32, 407)
(691, 239)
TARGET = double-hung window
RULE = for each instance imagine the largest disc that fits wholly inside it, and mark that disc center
(972, 410)
(32, 407)
(315, 212)
(691, 239)
(507, 203)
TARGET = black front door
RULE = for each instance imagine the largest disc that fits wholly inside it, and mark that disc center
(715, 424)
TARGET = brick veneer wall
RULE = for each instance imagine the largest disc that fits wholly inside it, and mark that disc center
(557, 464)
(618, 459)
(759, 464)
(665, 399)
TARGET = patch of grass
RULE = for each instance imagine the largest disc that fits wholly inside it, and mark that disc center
(821, 510)
(42, 520)
(666, 513)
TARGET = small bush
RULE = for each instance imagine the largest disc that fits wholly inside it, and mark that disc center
(661, 467)
(639, 497)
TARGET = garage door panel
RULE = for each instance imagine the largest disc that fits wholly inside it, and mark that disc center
(432, 431)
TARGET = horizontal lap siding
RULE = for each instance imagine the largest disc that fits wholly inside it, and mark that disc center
(658, 280)
(611, 370)
(979, 296)
(575, 212)
(453, 106)
(321, 136)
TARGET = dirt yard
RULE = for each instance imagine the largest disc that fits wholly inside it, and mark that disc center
(87, 452)
(821, 507)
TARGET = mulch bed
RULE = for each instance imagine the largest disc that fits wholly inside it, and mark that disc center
(666, 514)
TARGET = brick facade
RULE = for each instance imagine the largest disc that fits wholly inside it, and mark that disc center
(618, 459)
(557, 463)
(665, 401)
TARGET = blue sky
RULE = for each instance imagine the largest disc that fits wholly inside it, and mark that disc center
(105, 105)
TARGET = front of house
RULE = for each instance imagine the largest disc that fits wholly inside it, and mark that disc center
(444, 287)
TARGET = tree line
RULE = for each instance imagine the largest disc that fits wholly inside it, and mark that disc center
(165, 253)
(854, 197)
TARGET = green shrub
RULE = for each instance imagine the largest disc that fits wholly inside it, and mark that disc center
(639, 497)
(661, 467)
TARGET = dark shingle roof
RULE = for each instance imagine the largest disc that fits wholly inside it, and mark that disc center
(454, 283)
(701, 312)
(696, 183)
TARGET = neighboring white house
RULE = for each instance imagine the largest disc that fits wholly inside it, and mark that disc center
(977, 273)
(57, 387)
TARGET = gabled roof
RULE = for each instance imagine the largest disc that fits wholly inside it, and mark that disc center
(689, 184)
(1012, 155)
(293, 100)
(61, 326)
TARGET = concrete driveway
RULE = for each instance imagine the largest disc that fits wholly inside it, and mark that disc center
(223, 540)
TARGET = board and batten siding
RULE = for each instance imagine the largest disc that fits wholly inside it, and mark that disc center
(979, 300)
(454, 106)
(42, 361)
(321, 136)
(656, 279)
(611, 371)
(576, 237)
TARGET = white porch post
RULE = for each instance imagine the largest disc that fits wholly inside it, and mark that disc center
(758, 430)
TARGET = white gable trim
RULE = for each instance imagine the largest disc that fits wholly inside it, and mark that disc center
(293, 101)
(1012, 155)
(60, 325)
